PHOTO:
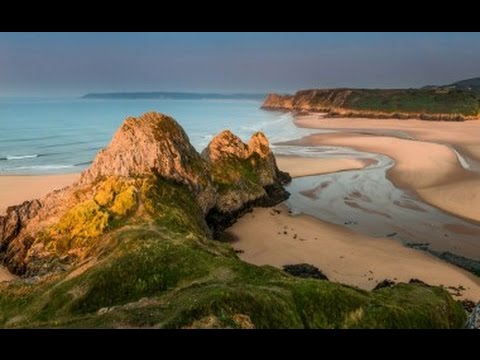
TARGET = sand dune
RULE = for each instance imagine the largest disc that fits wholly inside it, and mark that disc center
(266, 237)
(16, 189)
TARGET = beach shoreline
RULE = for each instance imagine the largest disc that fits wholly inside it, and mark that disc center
(271, 236)
(298, 166)
(425, 165)
(15, 189)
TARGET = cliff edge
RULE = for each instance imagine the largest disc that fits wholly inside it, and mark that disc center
(447, 104)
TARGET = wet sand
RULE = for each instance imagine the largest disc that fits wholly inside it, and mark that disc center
(302, 166)
(432, 170)
(16, 189)
(268, 237)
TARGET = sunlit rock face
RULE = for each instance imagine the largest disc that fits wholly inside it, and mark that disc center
(153, 144)
(229, 177)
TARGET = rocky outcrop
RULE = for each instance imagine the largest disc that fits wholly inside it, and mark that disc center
(278, 102)
(305, 271)
(384, 284)
(323, 100)
(153, 143)
(228, 179)
(15, 220)
(245, 175)
(225, 146)
(425, 104)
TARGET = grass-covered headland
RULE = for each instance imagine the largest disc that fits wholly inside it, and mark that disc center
(131, 244)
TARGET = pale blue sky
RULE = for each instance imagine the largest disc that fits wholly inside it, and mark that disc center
(76, 63)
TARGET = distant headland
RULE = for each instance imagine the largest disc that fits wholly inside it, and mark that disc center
(455, 102)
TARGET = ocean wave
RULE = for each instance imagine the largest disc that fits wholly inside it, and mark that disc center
(20, 157)
(38, 167)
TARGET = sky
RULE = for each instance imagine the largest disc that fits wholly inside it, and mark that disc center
(72, 64)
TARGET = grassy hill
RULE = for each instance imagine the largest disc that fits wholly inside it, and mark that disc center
(164, 270)
(428, 103)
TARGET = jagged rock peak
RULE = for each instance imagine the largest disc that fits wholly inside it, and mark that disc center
(259, 144)
(226, 145)
(151, 143)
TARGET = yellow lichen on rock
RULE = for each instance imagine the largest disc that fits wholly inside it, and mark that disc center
(84, 221)
(106, 192)
(125, 201)
(118, 195)
(114, 198)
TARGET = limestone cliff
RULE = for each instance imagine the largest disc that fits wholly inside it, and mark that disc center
(426, 104)
(230, 177)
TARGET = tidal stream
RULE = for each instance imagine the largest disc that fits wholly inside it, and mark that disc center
(366, 201)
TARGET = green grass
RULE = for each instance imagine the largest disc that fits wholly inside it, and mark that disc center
(183, 280)
(164, 271)
(415, 101)
(446, 104)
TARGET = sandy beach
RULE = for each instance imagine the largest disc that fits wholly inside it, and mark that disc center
(16, 189)
(274, 237)
(427, 165)
(301, 166)
(462, 134)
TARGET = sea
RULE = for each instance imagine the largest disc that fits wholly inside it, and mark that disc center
(62, 135)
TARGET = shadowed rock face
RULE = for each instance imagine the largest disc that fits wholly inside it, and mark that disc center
(228, 178)
(246, 175)
(15, 220)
